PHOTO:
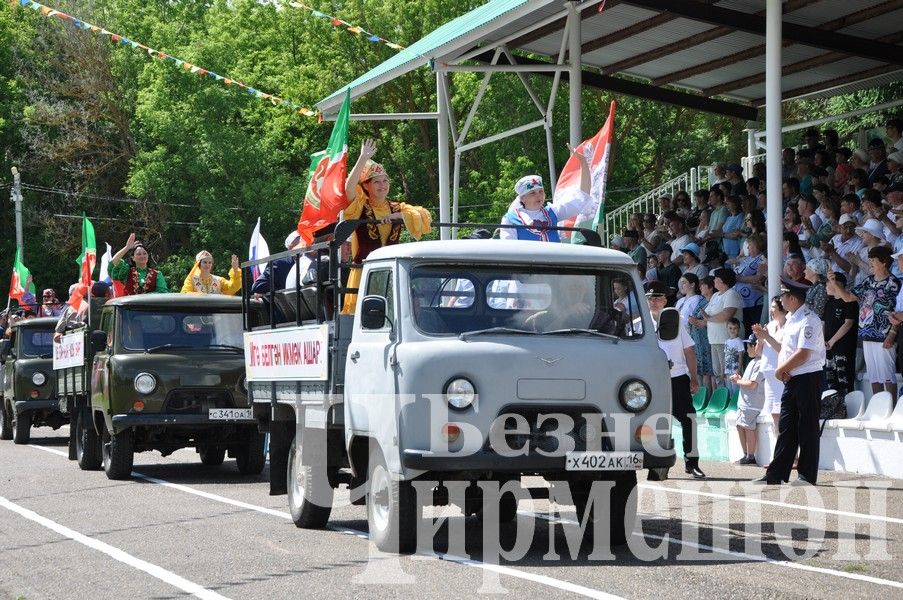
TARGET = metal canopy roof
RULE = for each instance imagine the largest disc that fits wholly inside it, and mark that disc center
(704, 54)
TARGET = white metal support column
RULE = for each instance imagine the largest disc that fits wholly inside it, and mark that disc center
(575, 76)
(775, 225)
(442, 143)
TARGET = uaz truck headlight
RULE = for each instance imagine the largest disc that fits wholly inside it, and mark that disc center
(39, 378)
(459, 393)
(635, 396)
(145, 383)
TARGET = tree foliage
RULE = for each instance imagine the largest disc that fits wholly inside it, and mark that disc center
(188, 163)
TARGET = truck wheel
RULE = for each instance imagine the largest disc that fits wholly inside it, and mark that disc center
(6, 423)
(305, 485)
(250, 457)
(87, 443)
(623, 506)
(21, 426)
(118, 455)
(212, 456)
(391, 508)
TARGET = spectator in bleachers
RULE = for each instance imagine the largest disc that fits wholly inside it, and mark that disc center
(840, 318)
(735, 178)
(895, 172)
(702, 229)
(719, 173)
(877, 297)
(845, 242)
(812, 140)
(842, 169)
(691, 260)
(872, 233)
(664, 207)
(650, 237)
(810, 223)
(668, 273)
(791, 245)
(894, 130)
(859, 181)
(877, 160)
(724, 305)
(816, 296)
(677, 228)
(636, 223)
(770, 337)
(682, 204)
(788, 163)
(700, 205)
(792, 220)
(795, 272)
(732, 229)
(750, 402)
(791, 191)
(651, 268)
(753, 186)
(873, 206)
(804, 171)
(752, 272)
(759, 172)
(633, 248)
(850, 204)
(832, 140)
(718, 214)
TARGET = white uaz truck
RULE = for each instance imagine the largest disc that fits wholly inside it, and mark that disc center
(466, 362)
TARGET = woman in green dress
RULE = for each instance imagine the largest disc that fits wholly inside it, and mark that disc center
(140, 278)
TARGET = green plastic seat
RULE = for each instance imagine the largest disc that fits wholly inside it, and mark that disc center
(717, 403)
(700, 398)
(732, 403)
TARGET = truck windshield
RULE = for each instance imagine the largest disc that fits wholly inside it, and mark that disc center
(36, 343)
(454, 301)
(148, 330)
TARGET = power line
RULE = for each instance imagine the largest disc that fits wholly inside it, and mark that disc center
(62, 192)
(80, 217)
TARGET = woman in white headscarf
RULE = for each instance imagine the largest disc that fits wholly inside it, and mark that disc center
(530, 208)
(201, 280)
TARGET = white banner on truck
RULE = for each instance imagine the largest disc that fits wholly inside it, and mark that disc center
(69, 351)
(287, 354)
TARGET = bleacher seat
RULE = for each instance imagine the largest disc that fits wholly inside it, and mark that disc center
(717, 403)
(855, 402)
(879, 409)
(893, 421)
(700, 399)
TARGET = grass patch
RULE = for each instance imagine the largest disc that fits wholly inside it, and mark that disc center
(854, 568)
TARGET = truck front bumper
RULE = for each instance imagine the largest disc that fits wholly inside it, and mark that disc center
(22, 406)
(121, 422)
(485, 460)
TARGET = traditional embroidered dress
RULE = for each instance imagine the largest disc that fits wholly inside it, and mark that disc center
(198, 283)
(138, 281)
(368, 238)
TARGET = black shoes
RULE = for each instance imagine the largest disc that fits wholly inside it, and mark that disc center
(692, 468)
(749, 459)
(766, 481)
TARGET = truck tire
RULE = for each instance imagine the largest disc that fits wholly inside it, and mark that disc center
(87, 443)
(309, 493)
(251, 457)
(391, 508)
(21, 426)
(118, 454)
(212, 456)
(6, 422)
(623, 506)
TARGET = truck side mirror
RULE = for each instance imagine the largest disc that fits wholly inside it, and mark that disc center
(98, 340)
(668, 324)
(4, 349)
(373, 312)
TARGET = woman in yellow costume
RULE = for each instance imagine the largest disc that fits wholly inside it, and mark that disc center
(201, 281)
(367, 188)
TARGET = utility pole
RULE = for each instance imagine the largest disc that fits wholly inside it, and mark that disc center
(16, 197)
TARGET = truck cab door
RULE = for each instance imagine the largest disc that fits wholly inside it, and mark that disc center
(370, 366)
(100, 367)
(9, 370)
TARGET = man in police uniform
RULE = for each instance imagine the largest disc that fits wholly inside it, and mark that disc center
(684, 380)
(801, 365)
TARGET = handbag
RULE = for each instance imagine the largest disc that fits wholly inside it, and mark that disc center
(832, 407)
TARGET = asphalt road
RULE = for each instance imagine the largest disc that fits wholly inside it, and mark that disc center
(180, 529)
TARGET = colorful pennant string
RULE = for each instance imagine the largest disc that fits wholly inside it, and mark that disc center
(194, 69)
(336, 22)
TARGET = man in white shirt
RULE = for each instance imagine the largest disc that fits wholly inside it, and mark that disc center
(894, 130)
(677, 227)
(684, 378)
(842, 244)
(801, 364)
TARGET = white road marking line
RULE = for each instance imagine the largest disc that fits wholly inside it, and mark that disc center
(541, 579)
(151, 569)
(50, 450)
(737, 554)
(827, 511)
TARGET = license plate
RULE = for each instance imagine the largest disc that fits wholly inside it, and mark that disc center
(604, 461)
(230, 414)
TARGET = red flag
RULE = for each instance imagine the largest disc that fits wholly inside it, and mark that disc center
(325, 196)
(87, 260)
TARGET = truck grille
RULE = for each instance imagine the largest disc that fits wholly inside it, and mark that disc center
(543, 437)
(196, 401)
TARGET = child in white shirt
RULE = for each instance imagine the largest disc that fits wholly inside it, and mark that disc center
(733, 353)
